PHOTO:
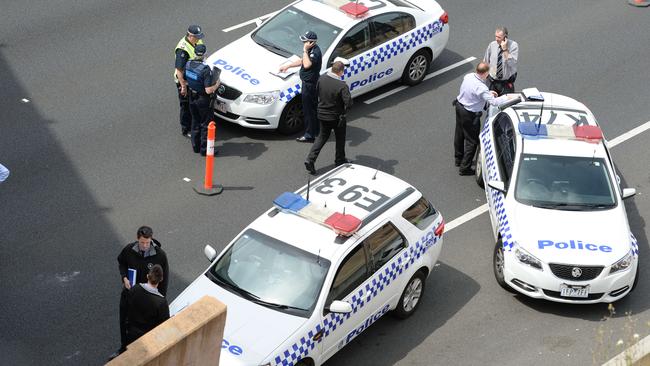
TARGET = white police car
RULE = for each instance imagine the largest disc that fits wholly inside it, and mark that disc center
(555, 202)
(391, 39)
(312, 273)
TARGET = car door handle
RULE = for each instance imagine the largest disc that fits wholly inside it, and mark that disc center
(317, 337)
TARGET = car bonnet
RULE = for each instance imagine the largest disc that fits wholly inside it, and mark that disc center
(252, 331)
(247, 66)
(572, 237)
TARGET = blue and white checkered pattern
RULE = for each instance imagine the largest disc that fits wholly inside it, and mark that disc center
(397, 46)
(635, 245)
(290, 93)
(498, 198)
(359, 299)
(380, 55)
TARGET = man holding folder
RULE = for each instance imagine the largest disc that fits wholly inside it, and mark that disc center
(135, 261)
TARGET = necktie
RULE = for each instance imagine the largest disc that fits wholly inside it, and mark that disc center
(142, 252)
(500, 64)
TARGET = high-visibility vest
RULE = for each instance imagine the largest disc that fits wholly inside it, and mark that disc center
(186, 46)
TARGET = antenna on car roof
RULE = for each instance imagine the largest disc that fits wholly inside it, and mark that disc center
(375, 176)
(318, 257)
(308, 188)
(541, 111)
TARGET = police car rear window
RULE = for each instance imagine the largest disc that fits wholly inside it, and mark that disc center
(421, 214)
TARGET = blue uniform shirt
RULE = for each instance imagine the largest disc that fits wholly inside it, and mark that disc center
(199, 76)
(312, 74)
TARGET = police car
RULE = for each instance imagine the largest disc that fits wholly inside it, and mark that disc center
(326, 262)
(383, 41)
(555, 202)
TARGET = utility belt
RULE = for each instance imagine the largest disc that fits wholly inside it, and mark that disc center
(456, 103)
(511, 79)
(197, 94)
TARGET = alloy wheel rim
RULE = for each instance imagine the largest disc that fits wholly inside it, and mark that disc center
(417, 68)
(498, 265)
(412, 295)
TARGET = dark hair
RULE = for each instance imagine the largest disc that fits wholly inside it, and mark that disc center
(145, 232)
(155, 275)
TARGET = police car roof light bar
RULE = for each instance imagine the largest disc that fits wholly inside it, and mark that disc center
(341, 223)
(588, 132)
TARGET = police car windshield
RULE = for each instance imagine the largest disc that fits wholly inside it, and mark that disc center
(565, 183)
(281, 33)
(271, 273)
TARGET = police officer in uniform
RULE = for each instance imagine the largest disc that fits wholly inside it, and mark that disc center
(185, 52)
(202, 82)
(310, 64)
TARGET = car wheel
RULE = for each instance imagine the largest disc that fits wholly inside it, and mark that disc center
(479, 170)
(411, 296)
(306, 362)
(291, 120)
(416, 68)
(498, 262)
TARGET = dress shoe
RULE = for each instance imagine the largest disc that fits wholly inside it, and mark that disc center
(457, 163)
(185, 133)
(345, 161)
(305, 139)
(467, 172)
(310, 167)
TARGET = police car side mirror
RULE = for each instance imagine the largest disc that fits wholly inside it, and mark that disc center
(628, 192)
(498, 185)
(341, 307)
(210, 252)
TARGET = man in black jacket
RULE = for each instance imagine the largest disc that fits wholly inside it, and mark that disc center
(147, 306)
(135, 261)
(333, 101)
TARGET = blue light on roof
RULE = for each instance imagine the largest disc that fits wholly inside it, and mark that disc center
(532, 129)
(290, 201)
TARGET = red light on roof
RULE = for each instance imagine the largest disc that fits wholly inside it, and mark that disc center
(354, 9)
(444, 18)
(588, 132)
(343, 224)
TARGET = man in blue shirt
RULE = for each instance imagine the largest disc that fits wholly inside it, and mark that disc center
(310, 64)
(469, 105)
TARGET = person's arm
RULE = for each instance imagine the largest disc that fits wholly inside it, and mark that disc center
(346, 97)
(181, 59)
(162, 287)
(306, 60)
(213, 83)
(511, 54)
(489, 97)
(121, 260)
(164, 312)
(286, 67)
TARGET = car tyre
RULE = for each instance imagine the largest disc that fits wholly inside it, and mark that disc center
(479, 170)
(291, 120)
(498, 262)
(411, 296)
(416, 68)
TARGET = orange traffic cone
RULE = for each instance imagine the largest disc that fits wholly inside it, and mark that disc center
(639, 3)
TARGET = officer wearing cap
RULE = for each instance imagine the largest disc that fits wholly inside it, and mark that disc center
(202, 82)
(184, 52)
(310, 64)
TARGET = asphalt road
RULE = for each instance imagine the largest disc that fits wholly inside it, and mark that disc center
(95, 152)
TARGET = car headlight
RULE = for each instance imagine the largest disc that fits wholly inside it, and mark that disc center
(263, 98)
(526, 258)
(623, 263)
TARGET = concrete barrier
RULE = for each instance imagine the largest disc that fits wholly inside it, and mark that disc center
(636, 355)
(192, 337)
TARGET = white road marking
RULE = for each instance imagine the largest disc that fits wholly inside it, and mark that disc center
(484, 208)
(187, 179)
(433, 74)
(25, 100)
(257, 21)
(629, 134)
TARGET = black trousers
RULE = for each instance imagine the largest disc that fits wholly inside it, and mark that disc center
(468, 126)
(185, 116)
(326, 128)
(309, 105)
(124, 308)
(202, 114)
(503, 86)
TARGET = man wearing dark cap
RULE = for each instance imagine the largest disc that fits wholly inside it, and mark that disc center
(185, 52)
(310, 64)
(202, 82)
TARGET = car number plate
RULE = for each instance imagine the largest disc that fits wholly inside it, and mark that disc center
(221, 106)
(574, 291)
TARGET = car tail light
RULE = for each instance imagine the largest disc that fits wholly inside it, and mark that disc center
(440, 229)
(444, 18)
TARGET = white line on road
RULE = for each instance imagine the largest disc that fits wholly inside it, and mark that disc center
(256, 20)
(484, 208)
(433, 74)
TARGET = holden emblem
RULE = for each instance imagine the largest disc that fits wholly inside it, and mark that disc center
(221, 89)
(576, 272)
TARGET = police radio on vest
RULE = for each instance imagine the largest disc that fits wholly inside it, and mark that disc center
(224, 65)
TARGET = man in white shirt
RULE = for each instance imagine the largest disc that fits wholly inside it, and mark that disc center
(469, 105)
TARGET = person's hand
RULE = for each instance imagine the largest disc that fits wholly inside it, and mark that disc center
(494, 94)
(284, 68)
(504, 44)
(183, 90)
(126, 282)
(307, 46)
